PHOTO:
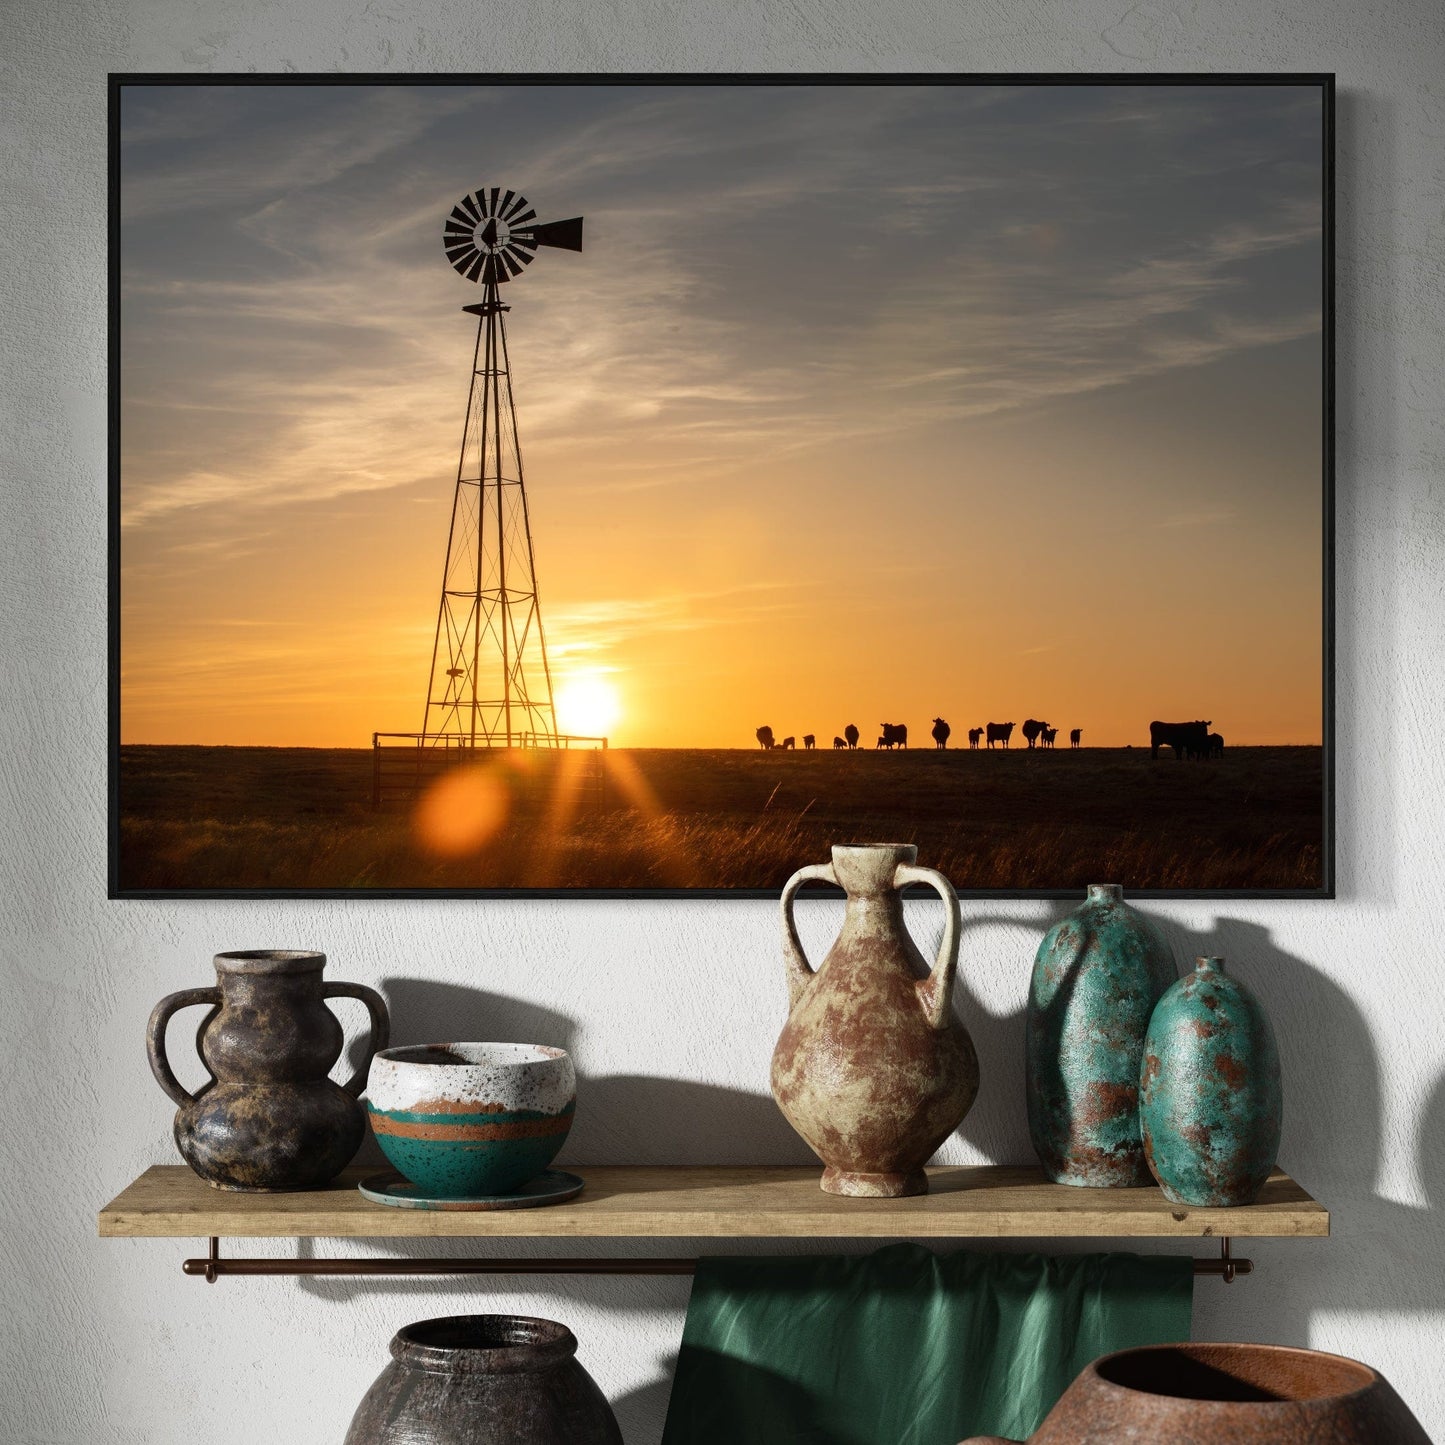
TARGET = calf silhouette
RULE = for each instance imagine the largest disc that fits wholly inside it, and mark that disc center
(764, 736)
(1000, 733)
(809, 742)
(1074, 735)
(1216, 745)
(974, 734)
(790, 744)
(839, 743)
(851, 733)
(941, 731)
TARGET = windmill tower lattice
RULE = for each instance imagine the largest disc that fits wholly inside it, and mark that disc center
(490, 685)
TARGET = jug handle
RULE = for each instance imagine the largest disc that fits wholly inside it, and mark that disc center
(935, 992)
(156, 1039)
(800, 971)
(380, 1027)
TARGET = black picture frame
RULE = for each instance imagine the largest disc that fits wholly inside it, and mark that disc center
(1324, 83)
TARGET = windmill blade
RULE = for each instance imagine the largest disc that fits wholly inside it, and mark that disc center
(518, 255)
(475, 269)
(467, 208)
(514, 267)
(506, 204)
(496, 191)
(565, 235)
(463, 257)
(521, 221)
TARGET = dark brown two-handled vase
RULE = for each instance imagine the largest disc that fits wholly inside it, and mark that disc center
(1231, 1394)
(269, 1118)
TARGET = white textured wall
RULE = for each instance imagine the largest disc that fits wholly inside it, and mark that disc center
(672, 1007)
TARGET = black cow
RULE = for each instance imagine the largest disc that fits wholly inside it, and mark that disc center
(1216, 745)
(789, 743)
(894, 734)
(1032, 729)
(1048, 735)
(764, 736)
(1186, 738)
(941, 731)
(974, 734)
(839, 743)
(809, 741)
(999, 732)
(1074, 736)
(851, 733)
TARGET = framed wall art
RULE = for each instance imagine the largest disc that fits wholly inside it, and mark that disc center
(636, 484)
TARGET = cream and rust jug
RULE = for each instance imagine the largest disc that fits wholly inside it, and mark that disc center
(872, 1068)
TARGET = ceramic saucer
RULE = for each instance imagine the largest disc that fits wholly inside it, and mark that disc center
(550, 1187)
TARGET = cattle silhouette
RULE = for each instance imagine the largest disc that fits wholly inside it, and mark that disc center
(1074, 735)
(999, 733)
(764, 736)
(851, 733)
(1032, 728)
(809, 741)
(1048, 735)
(839, 743)
(894, 734)
(1186, 738)
(941, 731)
(789, 743)
(1216, 745)
(974, 734)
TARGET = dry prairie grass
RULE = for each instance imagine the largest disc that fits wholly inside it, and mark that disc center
(278, 819)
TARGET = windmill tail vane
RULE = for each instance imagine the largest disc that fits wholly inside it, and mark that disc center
(490, 684)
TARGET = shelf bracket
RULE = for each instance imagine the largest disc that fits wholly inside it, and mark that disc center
(214, 1265)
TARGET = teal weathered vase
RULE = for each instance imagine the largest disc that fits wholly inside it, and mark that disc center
(1097, 976)
(1210, 1098)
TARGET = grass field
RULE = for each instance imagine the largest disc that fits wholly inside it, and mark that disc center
(301, 818)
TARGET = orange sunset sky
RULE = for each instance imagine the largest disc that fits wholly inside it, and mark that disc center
(860, 404)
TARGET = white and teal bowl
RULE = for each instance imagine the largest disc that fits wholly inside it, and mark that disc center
(465, 1121)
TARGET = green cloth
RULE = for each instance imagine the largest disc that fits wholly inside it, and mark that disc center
(904, 1346)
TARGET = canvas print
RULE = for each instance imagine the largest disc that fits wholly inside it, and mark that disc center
(640, 485)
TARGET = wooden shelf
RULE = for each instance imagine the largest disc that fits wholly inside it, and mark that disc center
(994, 1201)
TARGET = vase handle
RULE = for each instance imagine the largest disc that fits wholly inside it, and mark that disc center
(935, 992)
(380, 1027)
(800, 971)
(156, 1039)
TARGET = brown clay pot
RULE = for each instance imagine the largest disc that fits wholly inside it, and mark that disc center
(1226, 1395)
(498, 1379)
(872, 1068)
(269, 1118)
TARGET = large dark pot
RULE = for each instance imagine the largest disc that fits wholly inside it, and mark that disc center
(484, 1380)
(269, 1118)
(1226, 1395)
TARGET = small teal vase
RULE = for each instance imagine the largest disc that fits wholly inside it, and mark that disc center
(1211, 1104)
(1097, 976)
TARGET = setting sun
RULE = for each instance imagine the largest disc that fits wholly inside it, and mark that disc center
(587, 706)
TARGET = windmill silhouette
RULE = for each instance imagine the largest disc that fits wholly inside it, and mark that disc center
(490, 685)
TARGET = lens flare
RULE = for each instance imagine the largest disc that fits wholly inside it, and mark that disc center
(462, 811)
